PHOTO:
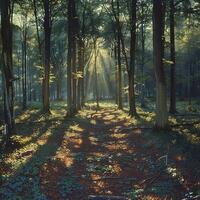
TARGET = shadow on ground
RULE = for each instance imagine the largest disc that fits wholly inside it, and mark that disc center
(95, 153)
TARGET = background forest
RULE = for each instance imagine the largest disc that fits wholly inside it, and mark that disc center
(66, 61)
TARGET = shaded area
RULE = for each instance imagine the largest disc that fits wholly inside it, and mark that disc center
(98, 153)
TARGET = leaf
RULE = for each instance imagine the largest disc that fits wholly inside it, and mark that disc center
(167, 62)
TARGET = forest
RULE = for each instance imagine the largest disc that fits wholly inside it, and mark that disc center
(99, 99)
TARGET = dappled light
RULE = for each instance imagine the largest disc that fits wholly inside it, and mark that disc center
(82, 160)
(99, 100)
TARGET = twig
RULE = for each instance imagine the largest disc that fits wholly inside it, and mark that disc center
(151, 179)
(105, 177)
(103, 197)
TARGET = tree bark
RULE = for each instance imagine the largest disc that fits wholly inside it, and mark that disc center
(120, 106)
(69, 59)
(47, 46)
(131, 70)
(24, 66)
(80, 70)
(158, 46)
(172, 108)
(7, 72)
(96, 74)
(143, 56)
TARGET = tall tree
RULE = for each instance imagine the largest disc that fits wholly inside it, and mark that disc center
(96, 73)
(172, 108)
(120, 106)
(158, 47)
(71, 59)
(24, 62)
(131, 70)
(6, 34)
(47, 46)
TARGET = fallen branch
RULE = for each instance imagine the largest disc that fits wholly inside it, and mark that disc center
(105, 177)
(151, 179)
(106, 197)
(134, 128)
(108, 177)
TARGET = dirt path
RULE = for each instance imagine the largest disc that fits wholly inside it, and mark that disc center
(99, 153)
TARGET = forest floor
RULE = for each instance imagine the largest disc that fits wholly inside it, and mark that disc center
(102, 153)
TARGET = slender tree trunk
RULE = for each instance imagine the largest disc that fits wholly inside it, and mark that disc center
(80, 69)
(37, 29)
(143, 57)
(158, 45)
(74, 72)
(7, 72)
(18, 81)
(96, 74)
(69, 59)
(41, 53)
(131, 70)
(116, 72)
(115, 59)
(47, 46)
(172, 108)
(29, 77)
(82, 62)
(24, 67)
(120, 106)
(189, 85)
(82, 83)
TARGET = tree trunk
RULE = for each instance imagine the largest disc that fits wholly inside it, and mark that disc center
(74, 70)
(82, 88)
(120, 106)
(24, 67)
(116, 72)
(69, 59)
(143, 57)
(172, 108)
(47, 46)
(96, 73)
(7, 72)
(131, 70)
(158, 46)
(81, 70)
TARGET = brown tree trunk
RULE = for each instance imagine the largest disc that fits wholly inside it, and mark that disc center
(143, 56)
(96, 74)
(172, 108)
(158, 46)
(81, 71)
(116, 71)
(74, 68)
(47, 46)
(24, 67)
(120, 106)
(69, 59)
(82, 88)
(6, 34)
(131, 70)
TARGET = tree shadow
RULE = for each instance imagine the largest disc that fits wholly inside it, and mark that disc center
(25, 182)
